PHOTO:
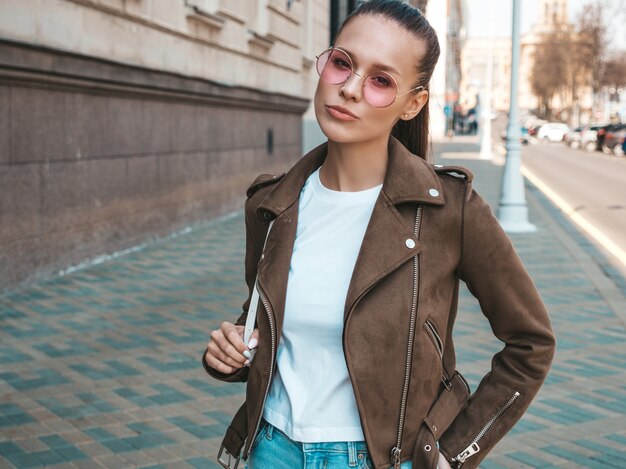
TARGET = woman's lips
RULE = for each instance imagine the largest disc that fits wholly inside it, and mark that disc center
(341, 113)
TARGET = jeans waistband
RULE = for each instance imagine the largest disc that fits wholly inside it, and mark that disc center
(350, 447)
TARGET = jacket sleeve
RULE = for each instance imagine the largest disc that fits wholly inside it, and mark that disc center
(253, 253)
(495, 275)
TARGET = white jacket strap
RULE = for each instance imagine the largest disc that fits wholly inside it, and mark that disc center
(254, 301)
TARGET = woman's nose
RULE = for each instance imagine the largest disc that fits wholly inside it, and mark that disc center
(352, 88)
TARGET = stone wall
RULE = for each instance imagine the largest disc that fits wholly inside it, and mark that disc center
(97, 156)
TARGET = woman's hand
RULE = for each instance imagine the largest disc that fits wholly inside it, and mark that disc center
(226, 352)
(443, 463)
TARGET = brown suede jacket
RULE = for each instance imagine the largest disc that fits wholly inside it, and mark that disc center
(428, 230)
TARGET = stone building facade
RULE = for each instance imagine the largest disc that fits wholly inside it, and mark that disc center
(123, 120)
(474, 71)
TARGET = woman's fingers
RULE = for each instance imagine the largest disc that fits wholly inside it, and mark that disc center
(217, 364)
(234, 336)
(254, 339)
(227, 352)
(227, 346)
(252, 344)
(218, 353)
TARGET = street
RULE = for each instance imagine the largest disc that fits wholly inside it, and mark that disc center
(594, 184)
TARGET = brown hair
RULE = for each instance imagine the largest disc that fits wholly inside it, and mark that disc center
(412, 133)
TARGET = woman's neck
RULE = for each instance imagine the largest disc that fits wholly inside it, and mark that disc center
(352, 167)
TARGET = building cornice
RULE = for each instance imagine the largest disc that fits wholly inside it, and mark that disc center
(24, 64)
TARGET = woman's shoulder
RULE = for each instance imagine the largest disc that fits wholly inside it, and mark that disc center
(456, 181)
(262, 180)
(456, 171)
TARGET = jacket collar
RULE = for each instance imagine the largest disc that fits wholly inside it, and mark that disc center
(408, 179)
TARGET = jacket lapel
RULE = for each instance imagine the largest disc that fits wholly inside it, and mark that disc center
(385, 246)
(273, 269)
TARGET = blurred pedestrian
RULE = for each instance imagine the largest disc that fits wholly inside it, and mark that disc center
(472, 121)
(358, 280)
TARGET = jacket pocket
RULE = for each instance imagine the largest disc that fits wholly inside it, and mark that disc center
(435, 338)
(474, 446)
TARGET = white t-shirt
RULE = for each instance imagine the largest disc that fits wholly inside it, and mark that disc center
(311, 398)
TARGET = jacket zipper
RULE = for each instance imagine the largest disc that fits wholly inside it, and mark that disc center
(432, 331)
(473, 448)
(435, 336)
(396, 451)
(269, 381)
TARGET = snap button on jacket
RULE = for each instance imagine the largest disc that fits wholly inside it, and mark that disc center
(458, 239)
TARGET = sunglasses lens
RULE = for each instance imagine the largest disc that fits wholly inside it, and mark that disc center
(334, 66)
(379, 89)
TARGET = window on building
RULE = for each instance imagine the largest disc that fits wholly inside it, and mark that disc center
(339, 9)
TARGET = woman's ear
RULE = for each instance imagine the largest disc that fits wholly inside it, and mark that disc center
(414, 105)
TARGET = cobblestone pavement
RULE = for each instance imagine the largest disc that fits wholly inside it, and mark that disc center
(100, 368)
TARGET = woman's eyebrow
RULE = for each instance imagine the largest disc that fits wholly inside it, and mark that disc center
(377, 66)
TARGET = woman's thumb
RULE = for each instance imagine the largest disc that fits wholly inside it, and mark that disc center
(254, 339)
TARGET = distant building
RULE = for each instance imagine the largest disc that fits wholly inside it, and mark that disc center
(448, 19)
(474, 71)
(552, 15)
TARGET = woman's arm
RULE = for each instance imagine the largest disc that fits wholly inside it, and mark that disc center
(508, 298)
(253, 253)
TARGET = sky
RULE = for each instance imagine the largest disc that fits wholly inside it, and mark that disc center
(478, 11)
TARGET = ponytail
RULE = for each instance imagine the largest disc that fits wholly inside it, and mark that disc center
(413, 134)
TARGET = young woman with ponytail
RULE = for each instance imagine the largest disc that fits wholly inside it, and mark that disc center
(353, 263)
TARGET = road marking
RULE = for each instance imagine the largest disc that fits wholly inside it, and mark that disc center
(576, 217)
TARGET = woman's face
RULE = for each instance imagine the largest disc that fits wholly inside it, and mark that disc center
(372, 42)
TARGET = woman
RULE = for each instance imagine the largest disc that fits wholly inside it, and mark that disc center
(358, 281)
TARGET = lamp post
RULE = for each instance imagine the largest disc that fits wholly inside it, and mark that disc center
(485, 140)
(512, 210)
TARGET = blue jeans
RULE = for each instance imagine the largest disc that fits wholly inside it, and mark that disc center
(271, 448)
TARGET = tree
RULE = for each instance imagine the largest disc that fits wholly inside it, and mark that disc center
(569, 61)
(614, 73)
(550, 69)
(591, 43)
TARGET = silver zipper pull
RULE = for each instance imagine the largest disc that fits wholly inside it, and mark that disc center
(395, 457)
(467, 452)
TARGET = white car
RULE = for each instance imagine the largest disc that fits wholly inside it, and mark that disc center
(552, 132)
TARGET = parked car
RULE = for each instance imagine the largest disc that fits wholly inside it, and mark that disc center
(613, 139)
(572, 138)
(589, 137)
(552, 132)
(602, 131)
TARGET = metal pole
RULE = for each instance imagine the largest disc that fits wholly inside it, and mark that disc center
(485, 102)
(513, 211)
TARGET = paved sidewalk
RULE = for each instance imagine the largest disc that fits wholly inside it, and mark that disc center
(100, 368)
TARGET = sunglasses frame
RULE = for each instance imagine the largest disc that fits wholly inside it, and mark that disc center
(352, 72)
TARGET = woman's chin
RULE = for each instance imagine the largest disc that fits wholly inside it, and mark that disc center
(340, 133)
